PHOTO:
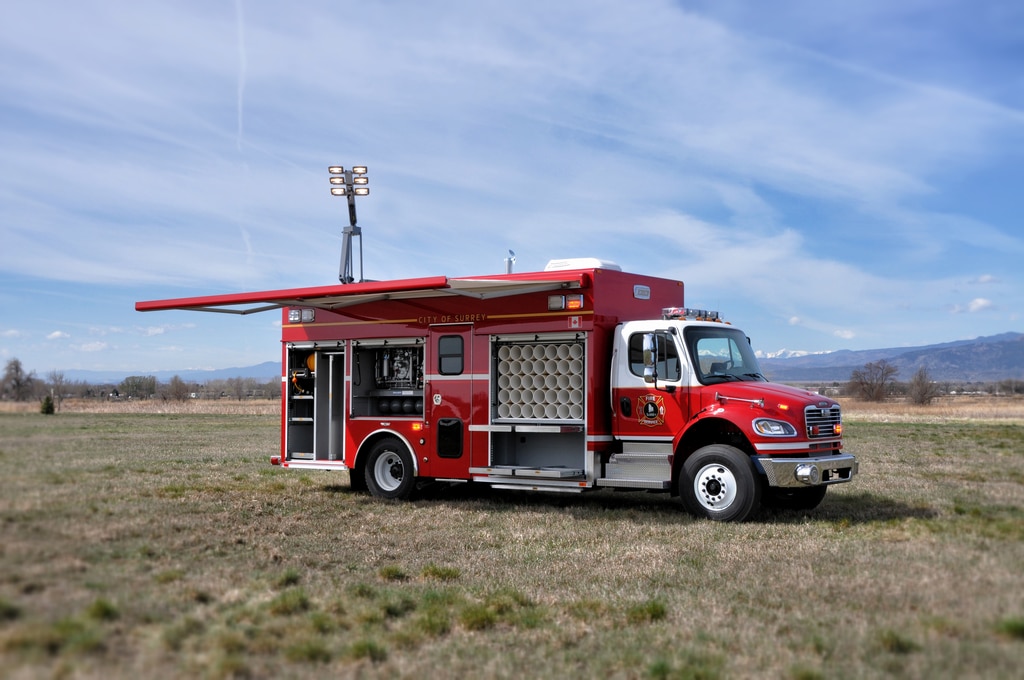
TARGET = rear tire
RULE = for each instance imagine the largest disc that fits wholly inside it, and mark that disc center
(790, 498)
(719, 482)
(389, 470)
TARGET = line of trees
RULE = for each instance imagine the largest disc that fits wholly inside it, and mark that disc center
(877, 382)
(21, 385)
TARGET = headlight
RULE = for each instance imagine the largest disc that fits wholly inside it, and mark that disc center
(774, 428)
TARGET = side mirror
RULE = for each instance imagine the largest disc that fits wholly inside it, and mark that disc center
(650, 358)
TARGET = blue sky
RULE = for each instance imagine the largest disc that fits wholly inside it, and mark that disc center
(828, 177)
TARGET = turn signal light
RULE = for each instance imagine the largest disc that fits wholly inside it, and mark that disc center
(569, 302)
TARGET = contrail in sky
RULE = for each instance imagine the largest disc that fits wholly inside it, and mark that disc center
(241, 71)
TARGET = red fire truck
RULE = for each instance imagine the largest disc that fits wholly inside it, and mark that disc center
(575, 378)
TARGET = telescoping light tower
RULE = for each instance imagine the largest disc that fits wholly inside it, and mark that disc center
(350, 183)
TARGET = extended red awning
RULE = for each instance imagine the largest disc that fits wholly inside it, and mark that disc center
(346, 295)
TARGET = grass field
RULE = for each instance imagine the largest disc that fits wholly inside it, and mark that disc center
(148, 544)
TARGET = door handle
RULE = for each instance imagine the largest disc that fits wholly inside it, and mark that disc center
(626, 406)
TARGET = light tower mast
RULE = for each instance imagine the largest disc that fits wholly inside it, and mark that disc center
(349, 183)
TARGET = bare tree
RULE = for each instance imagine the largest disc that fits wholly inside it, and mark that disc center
(236, 387)
(873, 382)
(922, 389)
(58, 386)
(17, 384)
(178, 389)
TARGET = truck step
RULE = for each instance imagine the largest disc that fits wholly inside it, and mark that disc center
(658, 484)
(550, 472)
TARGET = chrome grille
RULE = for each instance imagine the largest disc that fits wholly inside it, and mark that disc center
(822, 422)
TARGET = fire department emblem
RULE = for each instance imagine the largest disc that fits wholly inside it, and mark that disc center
(651, 410)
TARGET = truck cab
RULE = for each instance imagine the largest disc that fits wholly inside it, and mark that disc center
(693, 414)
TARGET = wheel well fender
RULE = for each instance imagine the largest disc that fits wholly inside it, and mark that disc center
(367, 445)
(700, 434)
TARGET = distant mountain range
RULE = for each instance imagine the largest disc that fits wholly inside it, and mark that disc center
(987, 359)
(265, 372)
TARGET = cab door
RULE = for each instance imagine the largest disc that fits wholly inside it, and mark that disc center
(448, 401)
(644, 411)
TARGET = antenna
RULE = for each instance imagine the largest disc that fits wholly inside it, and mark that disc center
(509, 261)
(350, 183)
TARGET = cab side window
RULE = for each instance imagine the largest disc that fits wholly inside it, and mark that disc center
(668, 359)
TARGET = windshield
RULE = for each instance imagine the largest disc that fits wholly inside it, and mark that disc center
(721, 354)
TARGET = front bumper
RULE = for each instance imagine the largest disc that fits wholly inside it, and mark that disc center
(800, 472)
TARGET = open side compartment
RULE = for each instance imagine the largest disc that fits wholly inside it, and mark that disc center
(539, 452)
(387, 378)
(315, 403)
(538, 407)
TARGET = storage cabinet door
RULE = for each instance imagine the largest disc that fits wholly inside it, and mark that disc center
(448, 401)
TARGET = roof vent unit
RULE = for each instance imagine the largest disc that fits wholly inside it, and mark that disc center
(580, 263)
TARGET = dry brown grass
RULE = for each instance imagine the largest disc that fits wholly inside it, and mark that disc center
(976, 408)
(163, 545)
(191, 406)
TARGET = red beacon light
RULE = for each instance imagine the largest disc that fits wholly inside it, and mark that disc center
(684, 313)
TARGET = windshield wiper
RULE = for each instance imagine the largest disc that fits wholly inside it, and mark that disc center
(722, 376)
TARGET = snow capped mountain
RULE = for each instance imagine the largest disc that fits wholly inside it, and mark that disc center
(786, 354)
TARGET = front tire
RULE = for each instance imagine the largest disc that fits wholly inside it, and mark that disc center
(389, 470)
(719, 482)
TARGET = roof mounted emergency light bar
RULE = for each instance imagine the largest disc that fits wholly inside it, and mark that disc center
(684, 313)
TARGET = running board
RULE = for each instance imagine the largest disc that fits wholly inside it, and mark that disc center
(538, 487)
(658, 484)
(551, 472)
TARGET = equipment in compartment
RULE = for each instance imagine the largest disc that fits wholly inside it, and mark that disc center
(539, 381)
(387, 379)
(399, 368)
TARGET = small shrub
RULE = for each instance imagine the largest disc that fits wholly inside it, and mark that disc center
(46, 407)
(432, 571)
(289, 578)
(102, 610)
(311, 651)
(368, 649)
(322, 622)
(76, 636)
(290, 602)
(174, 637)
(393, 573)
(9, 611)
(434, 622)
(399, 607)
(587, 610)
(169, 576)
(644, 612)
(1013, 628)
(363, 591)
(478, 617)
(894, 643)
(507, 601)
(694, 666)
